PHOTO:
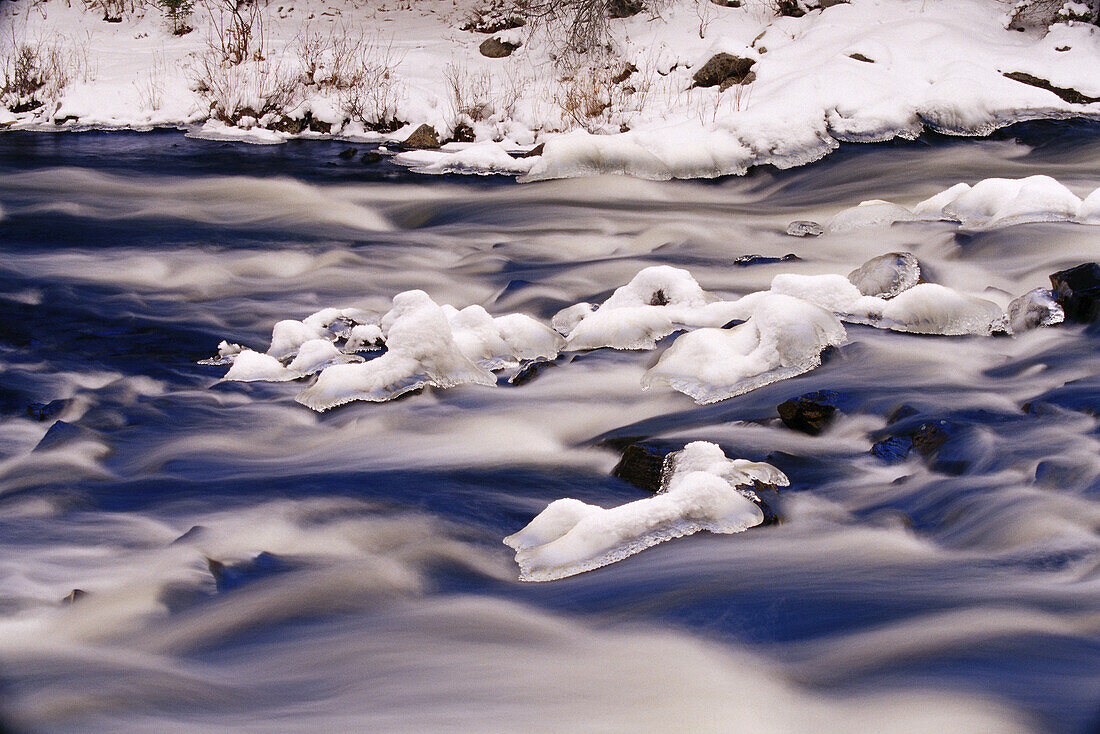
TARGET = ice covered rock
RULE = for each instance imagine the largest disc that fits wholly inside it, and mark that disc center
(364, 337)
(504, 341)
(1000, 202)
(932, 207)
(315, 355)
(887, 275)
(782, 337)
(227, 352)
(874, 213)
(805, 228)
(832, 292)
(656, 302)
(929, 308)
(1034, 309)
(704, 490)
(289, 334)
(252, 366)
(566, 320)
(420, 350)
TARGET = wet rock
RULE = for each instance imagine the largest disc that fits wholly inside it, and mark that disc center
(724, 68)
(810, 413)
(232, 576)
(893, 449)
(370, 158)
(643, 466)
(805, 228)
(530, 371)
(74, 596)
(746, 260)
(624, 8)
(943, 445)
(347, 154)
(887, 275)
(1033, 310)
(290, 125)
(1066, 95)
(46, 411)
(423, 137)
(536, 151)
(1077, 291)
(495, 48)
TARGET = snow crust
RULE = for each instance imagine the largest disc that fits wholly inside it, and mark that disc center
(702, 490)
(988, 204)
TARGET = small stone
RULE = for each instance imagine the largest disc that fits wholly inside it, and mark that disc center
(643, 466)
(529, 371)
(347, 153)
(746, 260)
(74, 596)
(860, 57)
(423, 137)
(805, 228)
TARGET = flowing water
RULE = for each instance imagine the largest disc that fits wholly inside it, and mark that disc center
(365, 585)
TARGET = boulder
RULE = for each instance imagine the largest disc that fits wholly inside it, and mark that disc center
(810, 413)
(423, 137)
(643, 466)
(724, 70)
(805, 228)
(887, 275)
(1077, 291)
(495, 48)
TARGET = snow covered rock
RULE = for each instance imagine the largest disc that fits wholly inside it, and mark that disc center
(929, 308)
(704, 491)
(873, 213)
(251, 366)
(505, 341)
(781, 338)
(421, 351)
(887, 275)
(1000, 202)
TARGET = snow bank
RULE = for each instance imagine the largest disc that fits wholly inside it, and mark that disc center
(990, 203)
(781, 338)
(703, 490)
(479, 158)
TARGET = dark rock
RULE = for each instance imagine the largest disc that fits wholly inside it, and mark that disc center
(829, 3)
(462, 133)
(232, 576)
(347, 153)
(929, 437)
(860, 57)
(28, 106)
(805, 228)
(623, 75)
(624, 8)
(810, 413)
(902, 413)
(1077, 291)
(1066, 95)
(494, 48)
(46, 411)
(746, 260)
(722, 68)
(536, 151)
(291, 125)
(494, 23)
(658, 298)
(424, 136)
(370, 158)
(530, 371)
(727, 3)
(319, 126)
(74, 596)
(643, 466)
(789, 8)
(770, 515)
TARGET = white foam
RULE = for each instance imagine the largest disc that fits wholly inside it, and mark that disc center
(701, 492)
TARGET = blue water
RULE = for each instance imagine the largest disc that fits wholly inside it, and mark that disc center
(364, 585)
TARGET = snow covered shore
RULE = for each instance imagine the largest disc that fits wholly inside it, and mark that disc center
(865, 70)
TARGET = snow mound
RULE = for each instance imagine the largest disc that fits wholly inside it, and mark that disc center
(420, 351)
(504, 341)
(479, 158)
(703, 491)
(782, 337)
(658, 301)
(988, 204)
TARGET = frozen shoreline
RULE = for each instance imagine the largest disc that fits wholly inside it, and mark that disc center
(864, 71)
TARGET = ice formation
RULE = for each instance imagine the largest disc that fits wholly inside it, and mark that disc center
(702, 490)
(496, 343)
(781, 337)
(420, 350)
(1034, 309)
(990, 203)
(656, 302)
(887, 275)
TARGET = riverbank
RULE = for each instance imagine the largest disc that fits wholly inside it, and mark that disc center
(657, 105)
